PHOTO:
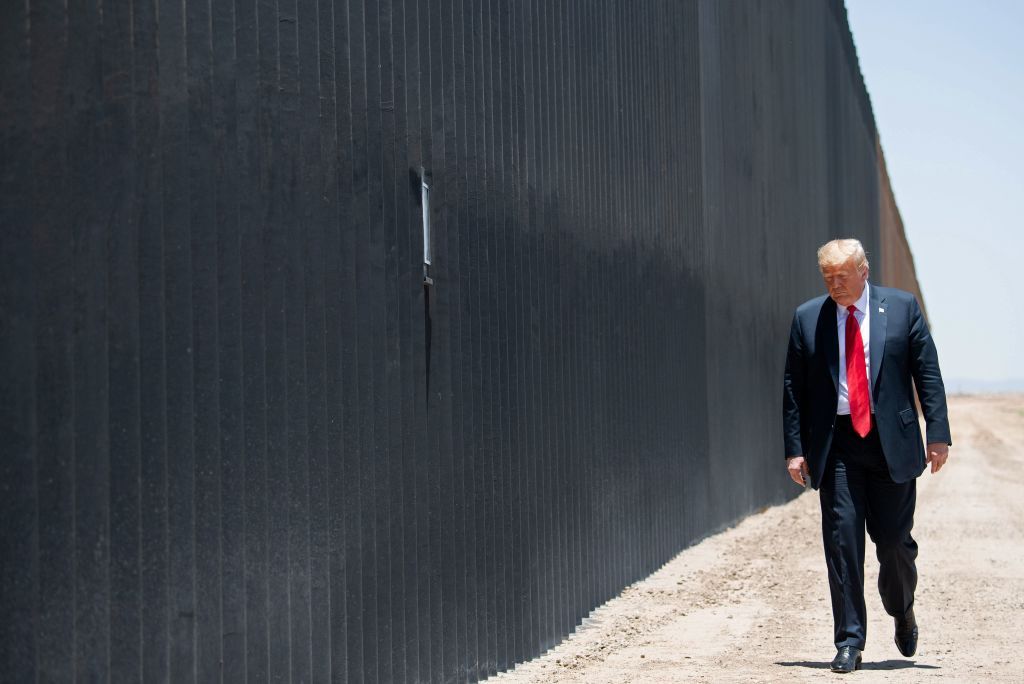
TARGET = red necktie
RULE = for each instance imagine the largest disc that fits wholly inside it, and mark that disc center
(857, 376)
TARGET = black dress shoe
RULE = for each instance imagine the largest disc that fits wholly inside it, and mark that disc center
(906, 634)
(847, 659)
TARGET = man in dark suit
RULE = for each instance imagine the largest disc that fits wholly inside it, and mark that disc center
(851, 432)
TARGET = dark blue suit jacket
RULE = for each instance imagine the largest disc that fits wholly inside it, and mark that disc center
(902, 355)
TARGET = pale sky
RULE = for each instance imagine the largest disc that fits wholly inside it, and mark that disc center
(946, 80)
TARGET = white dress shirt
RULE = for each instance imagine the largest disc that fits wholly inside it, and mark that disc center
(864, 318)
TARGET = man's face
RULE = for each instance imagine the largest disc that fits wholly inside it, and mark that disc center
(845, 284)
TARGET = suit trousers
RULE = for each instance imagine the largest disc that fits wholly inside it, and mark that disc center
(857, 491)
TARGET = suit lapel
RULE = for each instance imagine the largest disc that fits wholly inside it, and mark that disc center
(879, 319)
(827, 336)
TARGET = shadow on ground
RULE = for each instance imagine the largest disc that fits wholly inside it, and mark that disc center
(866, 665)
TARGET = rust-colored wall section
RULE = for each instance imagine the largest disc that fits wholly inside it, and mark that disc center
(897, 260)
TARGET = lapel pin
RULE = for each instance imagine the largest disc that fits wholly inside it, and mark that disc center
(881, 310)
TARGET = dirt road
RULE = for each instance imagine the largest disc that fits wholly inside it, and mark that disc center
(751, 604)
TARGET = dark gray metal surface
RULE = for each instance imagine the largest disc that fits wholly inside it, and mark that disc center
(242, 440)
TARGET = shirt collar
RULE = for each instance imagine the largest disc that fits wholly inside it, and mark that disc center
(862, 303)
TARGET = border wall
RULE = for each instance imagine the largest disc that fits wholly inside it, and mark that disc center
(244, 440)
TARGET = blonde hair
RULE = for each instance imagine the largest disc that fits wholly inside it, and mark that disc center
(838, 252)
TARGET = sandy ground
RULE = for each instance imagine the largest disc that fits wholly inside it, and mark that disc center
(751, 604)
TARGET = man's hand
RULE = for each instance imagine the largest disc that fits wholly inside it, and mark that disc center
(797, 468)
(937, 454)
